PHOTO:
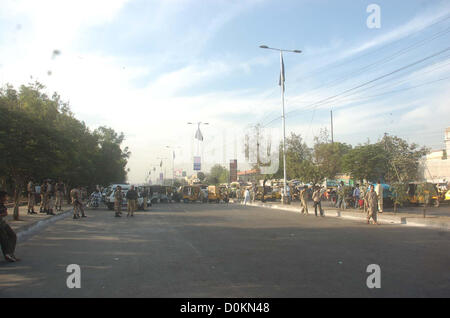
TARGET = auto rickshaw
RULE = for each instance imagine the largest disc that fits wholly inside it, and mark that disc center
(217, 194)
(190, 193)
(414, 198)
(267, 193)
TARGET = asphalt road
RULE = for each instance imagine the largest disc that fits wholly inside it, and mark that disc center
(211, 250)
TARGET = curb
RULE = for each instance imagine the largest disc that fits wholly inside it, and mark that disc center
(433, 223)
(29, 230)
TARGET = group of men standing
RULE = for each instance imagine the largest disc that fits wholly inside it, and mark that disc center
(51, 196)
(131, 197)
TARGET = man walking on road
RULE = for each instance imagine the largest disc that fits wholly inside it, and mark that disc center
(379, 191)
(132, 197)
(246, 196)
(118, 201)
(304, 205)
(317, 198)
(372, 205)
(8, 237)
(31, 193)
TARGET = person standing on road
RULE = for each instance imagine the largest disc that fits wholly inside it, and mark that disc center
(246, 196)
(145, 197)
(372, 205)
(304, 205)
(379, 191)
(317, 194)
(8, 237)
(341, 196)
(51, 198)
(59, 195)
(132, 197)
(31, 196)
(75, 195)
(43, 197)
(356, 195)
(118, 201)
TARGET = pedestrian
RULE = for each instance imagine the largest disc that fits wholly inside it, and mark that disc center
(77, 204)
(356, 195)
(246, 196)
(304, 208)
(132, 197)
(118, 201)
(51, 198)
(144, 194)
(372, 205)
(59, 195)
(379, 191)
(341, 196)
(31, 197)
(8, 237)
(37, 196)
(317, 201)
(48, 197)
(43, 197)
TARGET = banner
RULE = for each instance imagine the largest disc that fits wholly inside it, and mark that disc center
(197, 163)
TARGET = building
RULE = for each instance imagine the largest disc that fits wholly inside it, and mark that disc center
(435, 167)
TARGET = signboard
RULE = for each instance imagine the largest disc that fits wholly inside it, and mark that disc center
(233, 170)
(197, 163)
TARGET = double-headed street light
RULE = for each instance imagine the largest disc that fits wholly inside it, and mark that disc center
(281, 83)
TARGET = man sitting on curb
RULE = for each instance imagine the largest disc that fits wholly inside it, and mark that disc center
(8, 237)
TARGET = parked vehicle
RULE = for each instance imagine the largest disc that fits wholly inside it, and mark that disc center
(190, 193)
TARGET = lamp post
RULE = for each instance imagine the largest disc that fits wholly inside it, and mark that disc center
(173, 162)
(282, 104)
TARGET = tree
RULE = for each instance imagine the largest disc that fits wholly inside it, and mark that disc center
(365, 162)
(328, 156)
(403, 159)
(218, 174)
(201, 176)
(40, 138)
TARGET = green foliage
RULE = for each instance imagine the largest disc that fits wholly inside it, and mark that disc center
(367, 162)
(218, 174)
(402, 158)
(426, 191)
(201, 176)
(328, 156)
(399, 194)
(40, 138)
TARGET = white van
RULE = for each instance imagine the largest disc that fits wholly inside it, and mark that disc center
(109, 199)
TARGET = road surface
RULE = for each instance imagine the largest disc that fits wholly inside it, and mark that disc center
(218, 250)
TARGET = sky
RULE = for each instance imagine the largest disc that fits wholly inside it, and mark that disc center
(146, 68)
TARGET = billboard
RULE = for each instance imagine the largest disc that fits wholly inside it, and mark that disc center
(197, 163)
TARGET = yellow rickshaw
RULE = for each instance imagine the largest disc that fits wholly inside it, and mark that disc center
(190, 193)
(217, 194)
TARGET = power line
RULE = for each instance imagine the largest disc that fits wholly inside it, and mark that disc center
(314, 105)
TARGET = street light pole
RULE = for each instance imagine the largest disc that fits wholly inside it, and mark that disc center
(283, 115)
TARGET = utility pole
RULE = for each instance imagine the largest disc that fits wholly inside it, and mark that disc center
(283, 125)
(332, 137)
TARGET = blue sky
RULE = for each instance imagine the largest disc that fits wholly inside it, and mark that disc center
(148, 67)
